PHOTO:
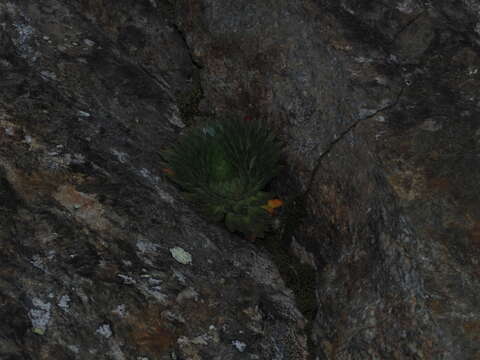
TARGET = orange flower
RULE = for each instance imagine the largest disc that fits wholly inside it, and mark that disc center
(168, 171)
(272, 205)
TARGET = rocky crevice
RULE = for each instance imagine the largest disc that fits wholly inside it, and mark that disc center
(97, 242)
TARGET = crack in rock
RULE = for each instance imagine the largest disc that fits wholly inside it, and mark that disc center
(345, 133)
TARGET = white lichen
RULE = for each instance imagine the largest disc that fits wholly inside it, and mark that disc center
(181, 255)
(127, 280)
(38, 262)
(40, 316)
(48, 75)
(146, 247)
(89, 42)
(155, 292)
(120, 310)
(83, 114)
(240, 346)
(63, 303)
(104, 330)
(121, 156)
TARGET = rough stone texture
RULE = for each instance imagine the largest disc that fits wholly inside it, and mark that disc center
(377, 104)
(88, 98)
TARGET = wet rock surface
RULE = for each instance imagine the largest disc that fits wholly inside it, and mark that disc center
(377, 107)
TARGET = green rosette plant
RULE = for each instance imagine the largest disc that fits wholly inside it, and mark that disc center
(223, 167)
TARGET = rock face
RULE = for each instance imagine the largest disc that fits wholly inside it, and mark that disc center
(101, 257)
(377, 105)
